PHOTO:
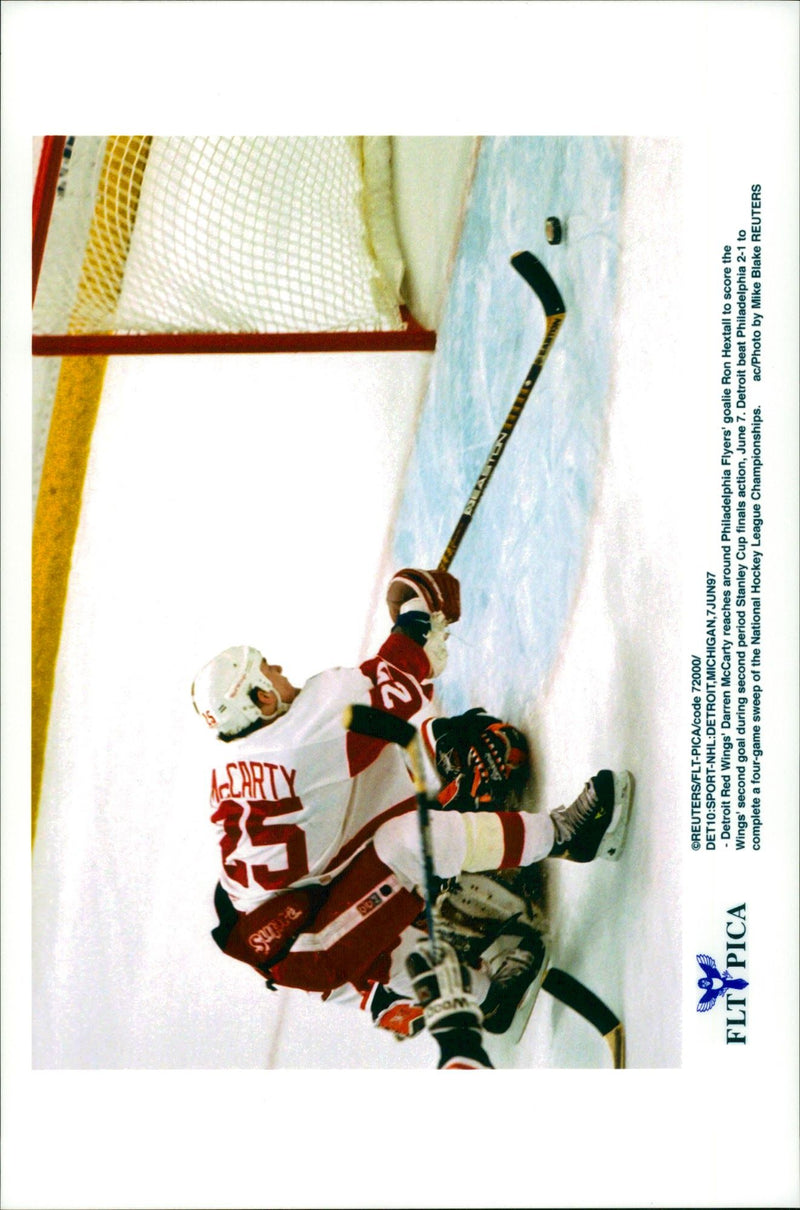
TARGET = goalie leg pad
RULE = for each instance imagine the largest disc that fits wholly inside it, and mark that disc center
(475, 908)
(481, 897)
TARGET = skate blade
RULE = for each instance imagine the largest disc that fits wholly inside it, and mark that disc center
(523, 1014)
(613, 842)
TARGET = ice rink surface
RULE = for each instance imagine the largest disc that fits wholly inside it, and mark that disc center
(523, 558)
(569, 611)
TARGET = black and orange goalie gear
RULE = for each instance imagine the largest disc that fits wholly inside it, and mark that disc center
(484, 763)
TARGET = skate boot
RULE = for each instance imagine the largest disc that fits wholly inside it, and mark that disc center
(596, 823)
(516, 965)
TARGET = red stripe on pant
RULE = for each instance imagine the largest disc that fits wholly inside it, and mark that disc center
(513, 839)
(361, 954)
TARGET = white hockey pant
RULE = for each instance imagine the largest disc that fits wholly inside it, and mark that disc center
(460, 843)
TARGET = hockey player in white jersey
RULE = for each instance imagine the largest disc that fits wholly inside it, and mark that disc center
(321, 864)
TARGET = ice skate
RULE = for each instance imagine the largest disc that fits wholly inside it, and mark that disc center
(596, 823)
(516, 965)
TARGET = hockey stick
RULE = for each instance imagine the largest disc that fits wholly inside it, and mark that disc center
(368, 720)
(555, 312)
(558, 983)
(569, 991)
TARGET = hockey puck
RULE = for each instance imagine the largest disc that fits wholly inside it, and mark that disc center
(553, 229)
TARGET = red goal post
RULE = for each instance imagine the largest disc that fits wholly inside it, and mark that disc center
(147, 244)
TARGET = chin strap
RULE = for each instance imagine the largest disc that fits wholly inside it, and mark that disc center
(282, 707)
(266, 686)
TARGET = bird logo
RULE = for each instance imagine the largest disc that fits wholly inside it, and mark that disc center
(713, 984)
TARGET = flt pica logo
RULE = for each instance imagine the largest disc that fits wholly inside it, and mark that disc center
(715, 985)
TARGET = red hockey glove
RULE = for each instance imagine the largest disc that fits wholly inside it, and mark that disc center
(440, 592)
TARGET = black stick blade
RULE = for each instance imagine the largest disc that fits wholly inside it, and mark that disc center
(572, 993)
(540, 282)
(589, 1006)
(368, 720)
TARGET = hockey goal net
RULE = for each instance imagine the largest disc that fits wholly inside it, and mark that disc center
(160, 244)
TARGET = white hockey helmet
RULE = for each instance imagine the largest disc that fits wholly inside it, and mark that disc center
(224, 692)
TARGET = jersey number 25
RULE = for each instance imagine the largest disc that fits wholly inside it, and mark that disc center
(283, 857)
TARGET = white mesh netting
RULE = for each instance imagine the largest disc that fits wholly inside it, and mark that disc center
(219, 235)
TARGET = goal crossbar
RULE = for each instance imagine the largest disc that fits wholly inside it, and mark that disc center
(412, 338)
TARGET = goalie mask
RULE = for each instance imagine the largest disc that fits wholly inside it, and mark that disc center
(225, 692)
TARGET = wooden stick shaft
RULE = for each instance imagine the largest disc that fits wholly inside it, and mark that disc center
(553, 324)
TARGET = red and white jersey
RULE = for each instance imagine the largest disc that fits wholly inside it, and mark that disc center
(294, 801)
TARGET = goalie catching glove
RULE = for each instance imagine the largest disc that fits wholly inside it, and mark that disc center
(482, 761)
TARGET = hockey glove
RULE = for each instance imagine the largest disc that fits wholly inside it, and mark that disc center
(438, 592)
(482, 761)
(452, 1015)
